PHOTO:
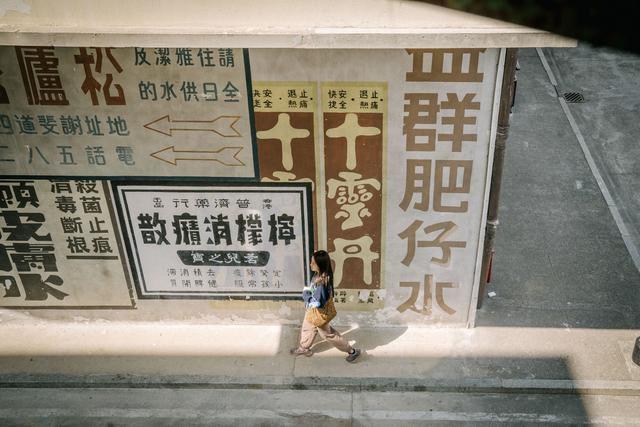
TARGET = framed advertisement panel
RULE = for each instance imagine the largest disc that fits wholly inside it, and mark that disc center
(197, 240)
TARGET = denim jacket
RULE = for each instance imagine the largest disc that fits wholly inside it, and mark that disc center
(315, 295)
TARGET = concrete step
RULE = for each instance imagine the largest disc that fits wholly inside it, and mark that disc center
(169, 407)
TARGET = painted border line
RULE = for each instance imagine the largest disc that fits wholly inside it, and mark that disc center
(611, 204)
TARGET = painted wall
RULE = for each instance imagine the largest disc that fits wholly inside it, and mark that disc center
(154, 184)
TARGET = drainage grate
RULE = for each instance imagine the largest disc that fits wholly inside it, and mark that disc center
(573, 97)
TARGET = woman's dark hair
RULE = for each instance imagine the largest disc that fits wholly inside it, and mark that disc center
(323, 261)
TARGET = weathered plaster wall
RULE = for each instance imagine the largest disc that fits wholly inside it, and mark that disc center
(379, 156)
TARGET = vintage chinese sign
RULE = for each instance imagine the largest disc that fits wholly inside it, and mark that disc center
(285, 126)
(125, 111)
(354, 117)
(53, 234)
(401, 162)
(448, 97)
(217, 241)
(354, 135)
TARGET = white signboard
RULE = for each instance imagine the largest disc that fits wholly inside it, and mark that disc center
(59, 246)
(89, 111)
(217, 240)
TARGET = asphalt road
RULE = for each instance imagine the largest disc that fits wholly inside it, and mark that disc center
(570, 202)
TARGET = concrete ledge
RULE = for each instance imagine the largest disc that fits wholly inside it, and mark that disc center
(371, 384)
(308, 24)
(334, 39)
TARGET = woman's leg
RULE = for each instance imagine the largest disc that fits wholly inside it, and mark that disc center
(307, 335)
(332, 336)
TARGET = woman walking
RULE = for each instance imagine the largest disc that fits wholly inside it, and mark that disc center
(318, 301)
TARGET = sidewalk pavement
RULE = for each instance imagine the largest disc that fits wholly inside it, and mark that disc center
(483, 359)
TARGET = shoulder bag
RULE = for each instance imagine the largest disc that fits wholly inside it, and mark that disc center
(322, 315)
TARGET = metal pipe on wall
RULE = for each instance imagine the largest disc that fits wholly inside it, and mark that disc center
(506, 98)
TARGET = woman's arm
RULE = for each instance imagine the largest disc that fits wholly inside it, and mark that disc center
(322, 293)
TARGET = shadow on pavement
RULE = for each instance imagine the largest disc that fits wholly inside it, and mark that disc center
(371, 342)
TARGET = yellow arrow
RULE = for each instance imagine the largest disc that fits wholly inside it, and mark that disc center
(228, 156)
(222, 125)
